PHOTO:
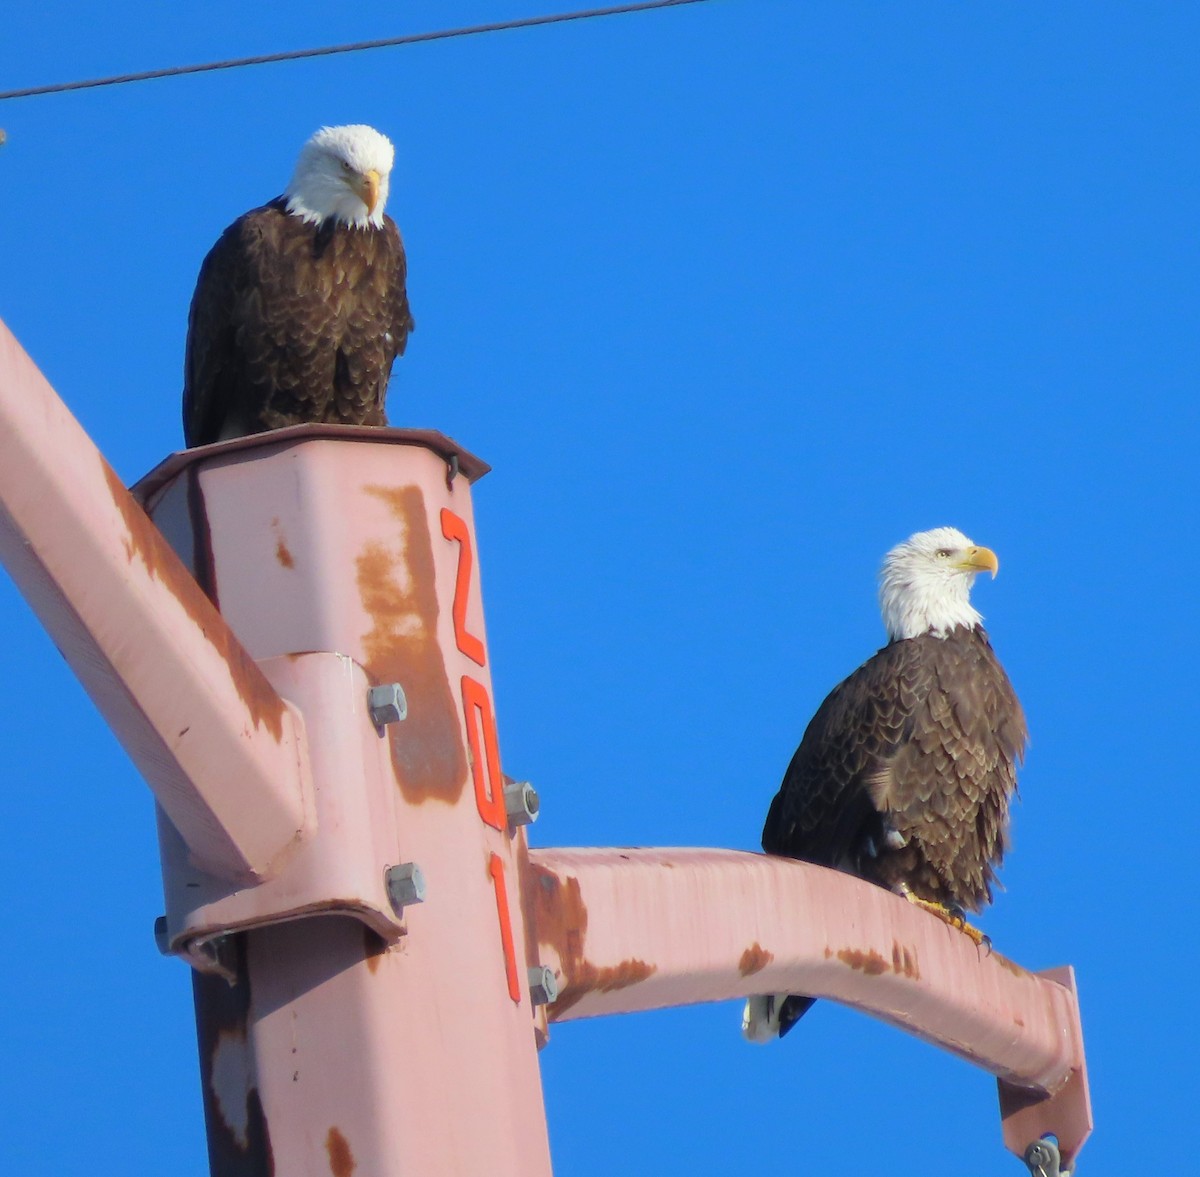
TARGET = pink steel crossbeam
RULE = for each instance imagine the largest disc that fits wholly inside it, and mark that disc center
(343, 860)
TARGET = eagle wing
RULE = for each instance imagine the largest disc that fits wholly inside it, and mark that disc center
(905, 773)
(825, 805)
(211, 366)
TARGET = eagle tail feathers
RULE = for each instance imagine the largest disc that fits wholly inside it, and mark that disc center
(771, 1015)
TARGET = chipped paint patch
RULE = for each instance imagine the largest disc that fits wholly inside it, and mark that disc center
(904, 961)
(556, 915)
(754, 959)
(869, 962)
(229, 1073)
(341, 1159)
(144, 542)
(584, 978)
(398, 589)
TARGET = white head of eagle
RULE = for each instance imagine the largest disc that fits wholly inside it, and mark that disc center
(342, 173)
(925, 583)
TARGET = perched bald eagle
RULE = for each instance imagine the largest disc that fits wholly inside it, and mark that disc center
(905, 773)
(300, 307)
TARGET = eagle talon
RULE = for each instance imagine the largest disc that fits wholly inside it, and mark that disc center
(951, 915)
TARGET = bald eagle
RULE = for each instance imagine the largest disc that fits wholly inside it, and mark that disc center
(905, 773)
(301, 307)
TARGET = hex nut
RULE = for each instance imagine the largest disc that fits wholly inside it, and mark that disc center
(405, 885)
(521, 803)
(387, 704)
(543, 985)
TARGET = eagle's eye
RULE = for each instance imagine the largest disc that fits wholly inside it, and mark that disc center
(346, 166)
(943, 553)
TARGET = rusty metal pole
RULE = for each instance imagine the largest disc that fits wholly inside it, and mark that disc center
(375, 947)
(365, 1024)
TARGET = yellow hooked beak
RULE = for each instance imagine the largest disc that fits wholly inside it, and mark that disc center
(980, 560)
(367, 187)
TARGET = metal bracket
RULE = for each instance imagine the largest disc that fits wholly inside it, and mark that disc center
(1043, 1159)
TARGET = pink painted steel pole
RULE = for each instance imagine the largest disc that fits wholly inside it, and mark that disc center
(222, 752)
(359, 1037)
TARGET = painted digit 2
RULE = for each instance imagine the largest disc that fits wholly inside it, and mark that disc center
(481, 737)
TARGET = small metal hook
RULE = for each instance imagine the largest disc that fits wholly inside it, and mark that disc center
(1044, 1160)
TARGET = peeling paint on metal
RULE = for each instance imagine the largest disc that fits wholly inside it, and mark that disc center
(904, 961)
(754, 959)
(555, 913)
(228, 1070)
(869, 962)
(145, 542)
(239, 1142)
(584, 978)
(341, 1159)
(399, 593)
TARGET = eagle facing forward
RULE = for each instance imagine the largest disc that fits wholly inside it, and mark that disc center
(300, 307)
(905, 773)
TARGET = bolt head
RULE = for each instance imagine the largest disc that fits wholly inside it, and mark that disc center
(543, 985)
(387, 704)
(405, 885)
(521, 803)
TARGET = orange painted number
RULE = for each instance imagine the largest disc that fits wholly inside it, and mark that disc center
(496, 869)
(455, 528)
(485, 753)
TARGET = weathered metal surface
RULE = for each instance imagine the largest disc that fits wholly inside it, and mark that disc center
(1028, 1115)
(330, 560)
(342, 866)
(224, 755)
(639, 929)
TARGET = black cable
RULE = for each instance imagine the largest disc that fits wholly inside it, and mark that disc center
(358, 46)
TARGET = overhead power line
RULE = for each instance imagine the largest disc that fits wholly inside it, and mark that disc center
(356, 47)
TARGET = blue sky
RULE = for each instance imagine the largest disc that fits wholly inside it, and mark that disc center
(733, 297)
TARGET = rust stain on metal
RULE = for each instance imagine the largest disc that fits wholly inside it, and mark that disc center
(587, 978)
(341, 1159)
(282, 552)
(869, 962)
(399, 593)
(556, 915)
(145, 542)
(754, 959)
(374, 946)
(904, 961)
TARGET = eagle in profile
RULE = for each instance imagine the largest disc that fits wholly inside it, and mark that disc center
(905, 773)
(301, 307)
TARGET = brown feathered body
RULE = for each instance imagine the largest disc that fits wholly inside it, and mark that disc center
(293, 322)
(905, 773)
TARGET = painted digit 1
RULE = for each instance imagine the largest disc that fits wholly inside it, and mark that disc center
(481, 738)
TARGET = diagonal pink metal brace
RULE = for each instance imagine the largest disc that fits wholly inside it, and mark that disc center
(224, 755)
